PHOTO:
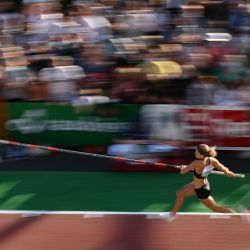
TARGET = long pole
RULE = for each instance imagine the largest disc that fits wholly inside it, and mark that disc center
(117, 158)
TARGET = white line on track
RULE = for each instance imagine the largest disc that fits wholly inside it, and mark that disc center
(101, 213)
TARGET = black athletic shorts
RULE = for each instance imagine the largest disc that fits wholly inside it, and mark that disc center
(203, 192)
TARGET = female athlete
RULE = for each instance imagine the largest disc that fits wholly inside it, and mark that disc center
(205, 162)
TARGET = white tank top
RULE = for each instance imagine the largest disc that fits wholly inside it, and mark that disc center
(207, 170)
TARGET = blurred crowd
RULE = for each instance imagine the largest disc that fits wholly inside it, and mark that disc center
(140, 51)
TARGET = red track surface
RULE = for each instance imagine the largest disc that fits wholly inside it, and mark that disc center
(122, 232)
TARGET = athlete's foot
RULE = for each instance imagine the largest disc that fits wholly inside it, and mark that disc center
(168, 216)
(245, 214)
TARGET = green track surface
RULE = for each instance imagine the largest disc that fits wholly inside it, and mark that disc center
(102, 191)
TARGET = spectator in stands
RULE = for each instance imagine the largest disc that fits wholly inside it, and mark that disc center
(202, 90)
(17, 74)
(96, 66)
(244, 89)
(206, 38)
(63, 79)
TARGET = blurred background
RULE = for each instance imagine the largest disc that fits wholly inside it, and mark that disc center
(146, 79)
(142, 79)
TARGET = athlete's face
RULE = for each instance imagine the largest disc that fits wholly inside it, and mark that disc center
(198, 155)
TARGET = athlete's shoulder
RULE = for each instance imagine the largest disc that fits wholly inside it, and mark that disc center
(213, 161)
(197, 163)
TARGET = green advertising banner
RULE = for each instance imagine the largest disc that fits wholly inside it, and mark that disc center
(52, 123)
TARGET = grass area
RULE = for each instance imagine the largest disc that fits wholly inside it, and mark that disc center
(102, 191)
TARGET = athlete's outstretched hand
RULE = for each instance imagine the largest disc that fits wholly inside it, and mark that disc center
(229, 173)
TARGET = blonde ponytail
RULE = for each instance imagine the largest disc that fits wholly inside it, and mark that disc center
(212, 152)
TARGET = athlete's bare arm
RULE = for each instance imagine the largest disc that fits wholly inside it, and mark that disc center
(222, 168)
(187, 168)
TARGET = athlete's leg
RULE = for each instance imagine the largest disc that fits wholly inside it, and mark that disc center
(186, 191)
(211, 204)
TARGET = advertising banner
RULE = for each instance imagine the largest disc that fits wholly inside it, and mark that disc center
(218, 126)
(221, 126)
(51, 123)
(102, 124)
